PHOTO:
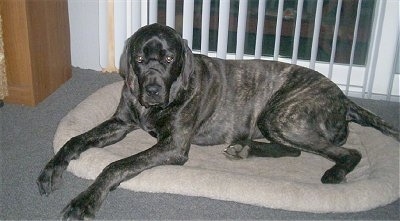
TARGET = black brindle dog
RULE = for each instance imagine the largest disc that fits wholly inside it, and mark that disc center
(184, 99)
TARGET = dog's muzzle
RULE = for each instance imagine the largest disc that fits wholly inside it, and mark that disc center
(153, 92)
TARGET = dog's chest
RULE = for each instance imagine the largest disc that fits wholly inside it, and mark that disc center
(229, 123)
(148, 121)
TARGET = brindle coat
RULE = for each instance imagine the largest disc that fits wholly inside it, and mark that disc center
(184, 99)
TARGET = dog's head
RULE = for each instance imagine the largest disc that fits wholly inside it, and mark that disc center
(156, 64)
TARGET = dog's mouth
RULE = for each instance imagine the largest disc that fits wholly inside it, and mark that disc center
(152, 104)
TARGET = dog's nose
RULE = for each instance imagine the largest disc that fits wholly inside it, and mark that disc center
(153, 89)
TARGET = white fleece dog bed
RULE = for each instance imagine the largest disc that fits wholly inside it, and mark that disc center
(284, 183)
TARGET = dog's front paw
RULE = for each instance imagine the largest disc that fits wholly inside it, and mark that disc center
(50, 178)
(237, 151)
(83, 206)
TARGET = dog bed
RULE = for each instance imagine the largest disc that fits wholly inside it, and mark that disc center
(284, 183)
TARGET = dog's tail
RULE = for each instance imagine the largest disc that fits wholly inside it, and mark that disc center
(363, 117)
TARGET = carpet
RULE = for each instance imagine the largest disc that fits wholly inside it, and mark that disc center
(285, 183)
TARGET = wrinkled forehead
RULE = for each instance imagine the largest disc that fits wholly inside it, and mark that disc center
(157, 45)
(156, 41)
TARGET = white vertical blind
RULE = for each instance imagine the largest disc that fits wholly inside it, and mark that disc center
(170, 14)
(144, 13)
(296, 37)
(376, 39)
(396, 68)
(128, 18)
(120, 27)
(103, 34)
(260, 29)
(334, 40)
(223, 25)
(278, 30)
(205, 26)
(241, 29)
(353, 46)
(317, 26)
(136, 16)
(118, 19)
(396, 65)
(153, 11)
(187, 31)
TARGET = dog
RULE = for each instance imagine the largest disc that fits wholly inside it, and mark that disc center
(182, 98)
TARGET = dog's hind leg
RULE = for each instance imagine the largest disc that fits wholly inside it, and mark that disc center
(346, 160)
(259, 149)
(312, 141)
(305, 126)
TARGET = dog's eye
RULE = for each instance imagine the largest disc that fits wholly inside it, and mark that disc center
(169, 59)
(139, 59)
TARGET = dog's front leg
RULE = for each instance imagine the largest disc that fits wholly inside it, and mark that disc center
(88, 202)
(106, 133)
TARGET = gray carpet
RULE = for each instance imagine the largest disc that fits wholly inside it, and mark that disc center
(26, 137)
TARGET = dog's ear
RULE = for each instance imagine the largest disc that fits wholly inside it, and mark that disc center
(124, 62)
(187, 67)
(126, 70)
(185, 73)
